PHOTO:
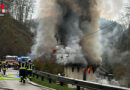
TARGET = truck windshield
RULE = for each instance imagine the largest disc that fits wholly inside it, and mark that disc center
(10, 58)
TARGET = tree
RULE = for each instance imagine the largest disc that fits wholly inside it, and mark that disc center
(21, 10)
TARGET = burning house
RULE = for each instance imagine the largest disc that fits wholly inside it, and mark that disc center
(80, 72)
(72, 27)
(78, 68)
(78, 52)
(70, 24)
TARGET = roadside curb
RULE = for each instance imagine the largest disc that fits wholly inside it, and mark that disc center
(6, 89)
(37, 85)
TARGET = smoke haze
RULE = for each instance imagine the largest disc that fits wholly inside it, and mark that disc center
(115, 10)
(72, 24)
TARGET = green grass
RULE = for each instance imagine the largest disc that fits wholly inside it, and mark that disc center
(52, 85)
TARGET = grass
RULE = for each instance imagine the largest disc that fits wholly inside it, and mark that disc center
(51, 85)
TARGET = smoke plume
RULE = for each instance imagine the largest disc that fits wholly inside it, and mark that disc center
(90, 42)
(49, 16)
(73, 24)
(69, 22)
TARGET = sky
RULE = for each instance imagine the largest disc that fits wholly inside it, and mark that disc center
(36, 9)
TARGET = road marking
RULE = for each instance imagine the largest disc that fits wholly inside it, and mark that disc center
(10, 77)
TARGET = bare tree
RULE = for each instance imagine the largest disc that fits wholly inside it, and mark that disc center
(21, 10)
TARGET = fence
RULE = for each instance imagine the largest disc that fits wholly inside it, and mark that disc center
(76, 82)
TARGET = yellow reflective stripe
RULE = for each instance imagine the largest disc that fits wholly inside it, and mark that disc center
(3, 62)
(30, 69)
(22, 68)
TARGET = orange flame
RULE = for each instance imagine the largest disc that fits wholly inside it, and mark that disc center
(89, 69)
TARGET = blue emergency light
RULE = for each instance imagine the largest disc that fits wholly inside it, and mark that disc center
(24, 58)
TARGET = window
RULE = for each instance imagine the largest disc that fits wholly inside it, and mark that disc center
(78, 69)
(72, 69)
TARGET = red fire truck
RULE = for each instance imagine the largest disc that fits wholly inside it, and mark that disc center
(2, 9)
(12, 60)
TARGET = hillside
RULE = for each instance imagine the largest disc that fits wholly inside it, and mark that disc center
(116, 51)
(15, 38)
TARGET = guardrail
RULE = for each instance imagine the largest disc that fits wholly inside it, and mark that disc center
(78, 83)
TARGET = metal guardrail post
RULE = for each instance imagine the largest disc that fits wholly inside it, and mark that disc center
(49, 79)
(61, 83)
(42, 78)
(78, 88)
(37, 76)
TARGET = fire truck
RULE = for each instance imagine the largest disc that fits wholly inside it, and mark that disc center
(11, 60)
(2, 8)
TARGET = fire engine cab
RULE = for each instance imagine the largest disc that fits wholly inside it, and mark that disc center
(2, 8)
(11, 60)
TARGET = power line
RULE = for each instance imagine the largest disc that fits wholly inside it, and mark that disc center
(108, 26)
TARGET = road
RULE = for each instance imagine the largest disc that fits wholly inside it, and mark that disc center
(11, 81)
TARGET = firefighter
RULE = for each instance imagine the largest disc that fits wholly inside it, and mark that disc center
(4, 66)
(30, 67)
(7, 65)
(23, 70)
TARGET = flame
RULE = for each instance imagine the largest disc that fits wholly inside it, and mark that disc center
(89, 69)
(53, 49)
(84, 69)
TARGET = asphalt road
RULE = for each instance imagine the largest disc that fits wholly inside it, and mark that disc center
(11, 82)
